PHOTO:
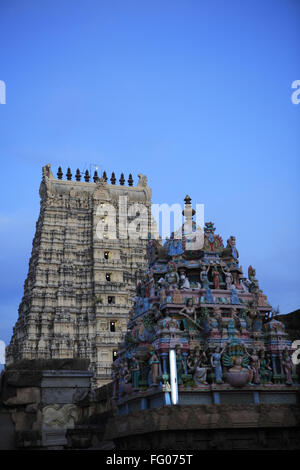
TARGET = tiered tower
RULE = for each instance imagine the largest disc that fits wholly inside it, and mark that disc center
(82, 272)
(202, 330)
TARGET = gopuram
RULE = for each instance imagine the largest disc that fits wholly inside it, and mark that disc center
(201, 332)
(80, 286)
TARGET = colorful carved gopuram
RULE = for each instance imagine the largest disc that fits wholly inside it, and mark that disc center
(227, 346)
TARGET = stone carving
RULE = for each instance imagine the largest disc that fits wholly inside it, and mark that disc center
(60, 416)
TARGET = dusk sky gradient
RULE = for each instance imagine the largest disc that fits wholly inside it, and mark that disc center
(194, 94)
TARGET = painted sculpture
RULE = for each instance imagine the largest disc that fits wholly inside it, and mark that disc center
(200, 304)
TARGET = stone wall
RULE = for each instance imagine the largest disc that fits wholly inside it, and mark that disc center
(39, 400)
(204, 427)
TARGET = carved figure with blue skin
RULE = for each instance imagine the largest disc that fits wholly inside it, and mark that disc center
(175, 248)
(217, 365)
(209, 297)
(204, 277)
(234, 296)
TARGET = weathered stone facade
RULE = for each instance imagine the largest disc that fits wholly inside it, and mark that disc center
(207, 427)
(79, 287)
(40, 400)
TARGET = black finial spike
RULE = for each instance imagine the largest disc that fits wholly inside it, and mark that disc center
(187, 199)
(104, 176)
(87, 176)
(69, 174)
(95, 177)
(59, 173)
(122, 179)
(78, 175)
(188, 211)
(113, 178)
(130, 180)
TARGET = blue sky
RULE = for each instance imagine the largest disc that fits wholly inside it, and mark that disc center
(194, 94)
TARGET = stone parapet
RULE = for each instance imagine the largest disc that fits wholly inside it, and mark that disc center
(38, 405)
(207, 427)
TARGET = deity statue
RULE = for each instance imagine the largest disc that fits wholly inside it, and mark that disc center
(155, 368)
(257, 326)
(231, 329)
(254, 287)
(217, 365)
(175, 248)
(215, 323)
(152, 287)
(251, 273)
(196, 363)
(245, 284)
(252, 313)
(152, 251)
(287, 366)
(162, 290)
(236, 359)
(265, 371)
(241, 319)
(171, 277)
(189, 309)
(190, 313)
(135, 372)
(231, 245)
(184, 283)
(200, 372)
(124, 378)
(208, 296)
(155, 311)
(228, 277)
(254, 366)
(216, 277)
(234, 296)
(204, 277)
(139, 333)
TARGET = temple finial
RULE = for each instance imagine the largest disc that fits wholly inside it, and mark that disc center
(59, 173)
(130, 180)
(113, 178)
(69, 174)
(95, 177)
(78, 175)
(122, 179)
(187, 199)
